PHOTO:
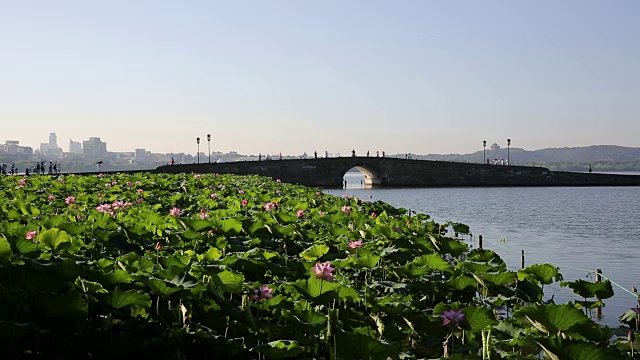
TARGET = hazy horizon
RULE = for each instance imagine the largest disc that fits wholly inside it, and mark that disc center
(294, 77)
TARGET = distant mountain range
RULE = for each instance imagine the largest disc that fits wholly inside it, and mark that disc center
(602, 157)
(588, 154)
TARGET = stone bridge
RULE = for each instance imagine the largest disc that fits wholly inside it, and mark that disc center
(378, 171)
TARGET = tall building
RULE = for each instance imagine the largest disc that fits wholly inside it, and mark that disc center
(94, 148)
(53, 140)
(141, 155)
(75, 147)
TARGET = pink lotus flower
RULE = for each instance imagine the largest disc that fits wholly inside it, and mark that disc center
(140, 200)
(140, 191)
(220, 186)
(70, 200)
(278, 180)
(245, 202)
(204, 216)
(346, 196)
(355, 244)
(321, 213)
(373, 214)
(158, 246)
(118, 204)
(51, 197)
(31, 235)
(261, 294)
(269, 206)
(323, 271)
(20, 186)
(129, 183)
(318, 193)
(346, 209)
(107, 185)
(214, 196)
(174, 211)
(240, 191)
(452, 318)
(23, 181)
(105, 208)
(300, 213)
(197, 176)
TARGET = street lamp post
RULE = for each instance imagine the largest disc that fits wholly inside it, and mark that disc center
(209, 141)
(198, 153)
(508, 144)
(484, 151)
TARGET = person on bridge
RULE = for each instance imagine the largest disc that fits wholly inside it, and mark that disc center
(315, 154)
(353, 153)
(383, 154)
(172, 161)
(326, 154)
(367, 153)
(377, 153)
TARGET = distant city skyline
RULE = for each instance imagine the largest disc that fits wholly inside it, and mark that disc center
(294, 77)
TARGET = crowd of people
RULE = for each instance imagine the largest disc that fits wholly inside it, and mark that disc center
(39, 168)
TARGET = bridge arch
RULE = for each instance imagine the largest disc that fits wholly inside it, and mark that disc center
(371, 176)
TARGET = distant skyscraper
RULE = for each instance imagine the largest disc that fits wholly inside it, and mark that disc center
(53, 140)
(75, 147)
(94, 148)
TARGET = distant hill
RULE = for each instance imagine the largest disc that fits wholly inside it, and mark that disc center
(588, 154)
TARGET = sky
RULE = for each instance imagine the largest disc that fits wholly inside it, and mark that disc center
(297, 76)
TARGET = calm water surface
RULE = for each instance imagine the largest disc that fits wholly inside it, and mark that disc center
(573, 227)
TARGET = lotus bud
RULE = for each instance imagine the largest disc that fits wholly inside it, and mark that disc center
(158, 246)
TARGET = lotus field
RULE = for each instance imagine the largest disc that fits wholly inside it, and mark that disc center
(196, 266)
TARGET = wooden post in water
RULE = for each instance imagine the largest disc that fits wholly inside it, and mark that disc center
(480, 241)
(599, 308)
(522, 257)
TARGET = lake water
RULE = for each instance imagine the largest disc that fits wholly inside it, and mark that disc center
(577, 228)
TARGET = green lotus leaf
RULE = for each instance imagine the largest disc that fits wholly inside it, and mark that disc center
(54, 239)
(431, 261)
(5, 249)
(462, 282)
(198, 225)
(453, 247)
(89, 287)
(552, 317)
(315, 288)
(212, 254)
(161, 287)
(25, 246)
(369, 261)
(484, 256)
(229, 281)
(558, 348)
(119, 299)
(314, 252)
(601, 290)
(280, 349)
(479, 318)
(540, 273)
(72, 228)
(501, 278)
(460, 228)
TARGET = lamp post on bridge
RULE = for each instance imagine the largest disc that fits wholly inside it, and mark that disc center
(508, 159)
(198, 153)
(484, 151)
(209, 140)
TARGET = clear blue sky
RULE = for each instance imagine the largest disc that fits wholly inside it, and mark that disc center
(293, 76)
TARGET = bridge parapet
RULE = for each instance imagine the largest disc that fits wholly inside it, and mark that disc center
(329, 173)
